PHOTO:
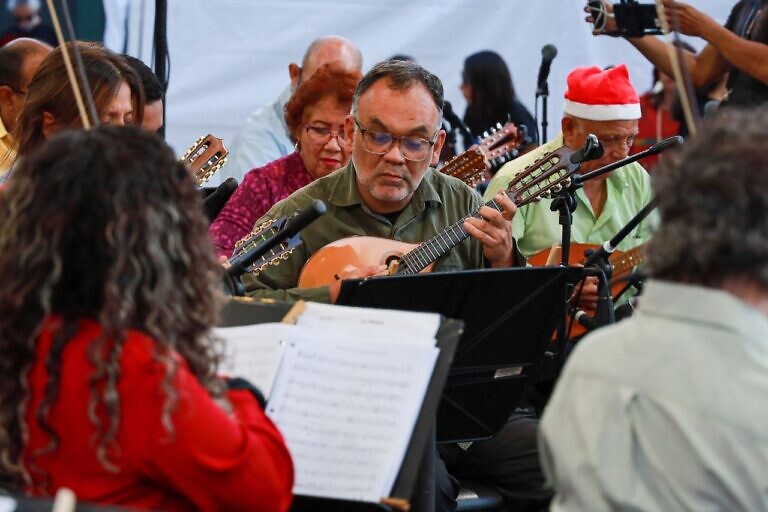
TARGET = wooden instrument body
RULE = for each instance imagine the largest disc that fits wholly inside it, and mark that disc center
(350, 253)
(622, 263)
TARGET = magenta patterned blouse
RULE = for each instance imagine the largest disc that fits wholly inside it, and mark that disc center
(261, 188)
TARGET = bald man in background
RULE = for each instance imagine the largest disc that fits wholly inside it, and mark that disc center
(19, 60)
(264, 136)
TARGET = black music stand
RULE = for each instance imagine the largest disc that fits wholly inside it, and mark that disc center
(415, 480)
(509, 317)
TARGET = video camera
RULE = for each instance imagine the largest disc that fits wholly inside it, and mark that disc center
(633, 19)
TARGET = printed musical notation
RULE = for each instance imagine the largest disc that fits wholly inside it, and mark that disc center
(347, 408)
(253, 352)
(345, 387)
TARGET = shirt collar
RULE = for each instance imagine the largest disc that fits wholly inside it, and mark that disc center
(344, 192)
(705, 306)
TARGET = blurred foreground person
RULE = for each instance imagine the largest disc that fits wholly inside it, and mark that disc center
(663, 411)
(108, 382)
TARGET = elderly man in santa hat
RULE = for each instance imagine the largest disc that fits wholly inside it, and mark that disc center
(604, 103)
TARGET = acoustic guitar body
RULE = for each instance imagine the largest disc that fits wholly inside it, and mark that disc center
(349, 253)
(622, 264)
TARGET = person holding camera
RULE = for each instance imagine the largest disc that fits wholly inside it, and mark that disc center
(739, 48)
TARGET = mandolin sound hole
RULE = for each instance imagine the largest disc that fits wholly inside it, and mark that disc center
(392, 258)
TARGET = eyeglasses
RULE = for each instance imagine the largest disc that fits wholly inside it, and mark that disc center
(621, 141)
(415, 149)
(320, 135)
(17, 91)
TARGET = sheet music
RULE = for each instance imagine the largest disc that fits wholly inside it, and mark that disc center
(254, 352)
(347, 407)
(369, 322)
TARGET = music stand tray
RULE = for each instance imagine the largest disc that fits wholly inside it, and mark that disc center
(509, 317)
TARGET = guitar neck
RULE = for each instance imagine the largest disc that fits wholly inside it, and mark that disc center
(624, 263)
(433, 249)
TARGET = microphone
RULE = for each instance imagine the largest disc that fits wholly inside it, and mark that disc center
(241, 262)
(548, 53)
(216, 200)
(585, 320)
(456, 122)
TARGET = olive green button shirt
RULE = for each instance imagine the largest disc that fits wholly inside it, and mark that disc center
(536, 227)
(439, 201)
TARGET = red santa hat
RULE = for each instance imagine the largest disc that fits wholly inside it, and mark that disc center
(601, 95)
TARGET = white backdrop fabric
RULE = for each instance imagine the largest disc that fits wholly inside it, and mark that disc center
(227, 57)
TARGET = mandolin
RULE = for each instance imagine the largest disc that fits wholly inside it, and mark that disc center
(546, 175)
(498, 146)
(261, 233)
(622, 264)
(207, 155)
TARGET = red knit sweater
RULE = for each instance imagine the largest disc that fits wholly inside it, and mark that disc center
(211, 460)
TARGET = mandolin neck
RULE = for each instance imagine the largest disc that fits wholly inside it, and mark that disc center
(436, 247)
(623, 263)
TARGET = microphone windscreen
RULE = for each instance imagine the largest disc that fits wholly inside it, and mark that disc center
(549, 52)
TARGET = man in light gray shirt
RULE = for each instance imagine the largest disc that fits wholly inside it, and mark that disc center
(667, 411)
(264, 136)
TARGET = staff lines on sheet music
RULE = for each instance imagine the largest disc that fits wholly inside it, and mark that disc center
(365, 444)
(362, 380)
(315, 418)
(315, 357)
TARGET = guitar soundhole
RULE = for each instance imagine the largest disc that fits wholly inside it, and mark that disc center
(391, 258)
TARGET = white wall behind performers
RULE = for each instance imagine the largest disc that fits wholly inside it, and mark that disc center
(230, 56)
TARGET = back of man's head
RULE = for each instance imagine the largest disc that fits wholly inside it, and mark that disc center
(326, 49)
(13, 56)
(400, 76)
(713, 200)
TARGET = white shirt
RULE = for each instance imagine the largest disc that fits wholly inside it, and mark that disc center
(262, 139)
(665, 411)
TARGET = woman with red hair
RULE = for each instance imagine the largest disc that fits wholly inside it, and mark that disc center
(315, 116)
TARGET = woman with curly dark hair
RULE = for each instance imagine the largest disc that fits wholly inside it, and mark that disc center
(108, 379)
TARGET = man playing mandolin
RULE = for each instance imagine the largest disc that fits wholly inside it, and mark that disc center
(606, 104)
(389, 191)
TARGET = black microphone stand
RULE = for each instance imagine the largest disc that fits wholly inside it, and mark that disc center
(565, 203)
(543, 93)
(238, 265)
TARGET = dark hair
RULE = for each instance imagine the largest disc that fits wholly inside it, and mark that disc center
(329, 80)
(50, 91)
(493, 95)
(153, 89)
(713, 200)
(104, 224)
(401, 75)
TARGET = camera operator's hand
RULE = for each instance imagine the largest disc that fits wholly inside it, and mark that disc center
(600, 15)
(691, 21)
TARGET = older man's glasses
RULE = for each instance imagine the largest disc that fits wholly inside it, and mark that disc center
(415, 149)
